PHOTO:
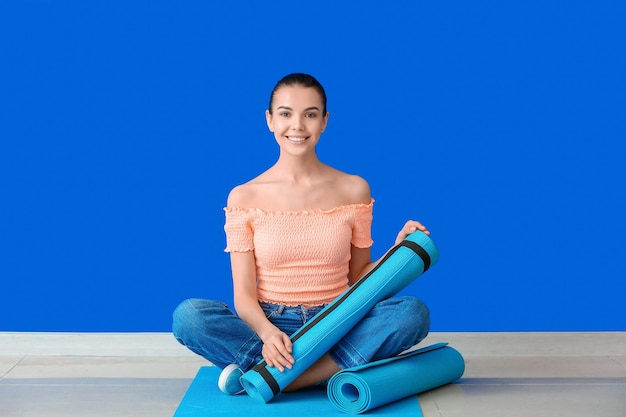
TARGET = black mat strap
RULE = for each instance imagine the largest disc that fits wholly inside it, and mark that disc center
(267, 376)
(420, 251)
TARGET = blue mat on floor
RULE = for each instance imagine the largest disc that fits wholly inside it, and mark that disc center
(203, 398)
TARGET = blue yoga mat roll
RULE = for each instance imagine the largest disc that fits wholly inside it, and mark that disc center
(399, 267)
(359, 389)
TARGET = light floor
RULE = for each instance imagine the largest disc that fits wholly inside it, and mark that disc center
(507, 374)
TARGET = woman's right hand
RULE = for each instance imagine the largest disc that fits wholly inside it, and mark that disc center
(277, 350)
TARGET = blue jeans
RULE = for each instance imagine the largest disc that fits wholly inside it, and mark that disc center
(213, 331)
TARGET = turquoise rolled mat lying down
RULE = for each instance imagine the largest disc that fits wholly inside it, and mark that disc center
(362, 388)
(401, 265)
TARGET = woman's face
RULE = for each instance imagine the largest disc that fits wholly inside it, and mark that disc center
(296, 119)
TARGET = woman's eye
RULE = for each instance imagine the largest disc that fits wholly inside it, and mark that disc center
(284, 114)
(311, 115)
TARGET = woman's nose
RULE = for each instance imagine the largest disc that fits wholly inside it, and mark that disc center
(298, 123)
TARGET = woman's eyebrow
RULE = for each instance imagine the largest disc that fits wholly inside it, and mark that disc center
(307, 109)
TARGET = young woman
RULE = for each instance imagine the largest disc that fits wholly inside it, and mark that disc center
(298, 235)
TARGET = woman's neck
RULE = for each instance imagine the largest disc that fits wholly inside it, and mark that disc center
(299, 168)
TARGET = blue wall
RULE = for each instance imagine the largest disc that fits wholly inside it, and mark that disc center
(500, 125)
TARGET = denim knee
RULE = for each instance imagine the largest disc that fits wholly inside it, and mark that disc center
(415, 318)
(189, 314)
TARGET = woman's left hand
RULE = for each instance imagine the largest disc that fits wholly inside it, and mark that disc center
(410, 227)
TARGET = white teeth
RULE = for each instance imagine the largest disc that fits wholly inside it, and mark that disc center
(296, 139)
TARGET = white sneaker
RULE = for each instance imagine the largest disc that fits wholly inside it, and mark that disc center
(228, 382)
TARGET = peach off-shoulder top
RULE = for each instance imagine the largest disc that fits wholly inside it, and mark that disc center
(302, 257)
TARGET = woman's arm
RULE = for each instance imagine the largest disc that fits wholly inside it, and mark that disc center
(245, 295)
(360, 263)
(276, 344)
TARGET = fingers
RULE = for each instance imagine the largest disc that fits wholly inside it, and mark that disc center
(410, 227)
(277, 352)
(414, 226)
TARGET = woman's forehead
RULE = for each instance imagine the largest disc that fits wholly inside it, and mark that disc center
(297, 96)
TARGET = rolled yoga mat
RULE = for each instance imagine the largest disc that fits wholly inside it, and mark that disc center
(401, 265)
(362, 388)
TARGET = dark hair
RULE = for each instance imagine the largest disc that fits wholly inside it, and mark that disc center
(302, 80)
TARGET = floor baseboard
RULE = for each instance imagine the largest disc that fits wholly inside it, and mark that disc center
(164, 344)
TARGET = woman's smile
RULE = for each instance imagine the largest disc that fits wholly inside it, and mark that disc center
(297, 139)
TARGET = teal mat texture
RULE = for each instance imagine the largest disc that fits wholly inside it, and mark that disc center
(204, 399)
(362, 388)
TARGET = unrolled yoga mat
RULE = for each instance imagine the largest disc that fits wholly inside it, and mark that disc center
(204, 399)
(401, 265)
(359, 389)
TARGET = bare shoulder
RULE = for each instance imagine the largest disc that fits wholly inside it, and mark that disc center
(250, 194)
(355, 188)
(242, 195)
(236, 196)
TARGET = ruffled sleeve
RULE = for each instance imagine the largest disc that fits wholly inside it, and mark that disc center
(239, 230)
(362, 229)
